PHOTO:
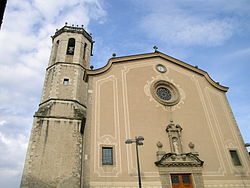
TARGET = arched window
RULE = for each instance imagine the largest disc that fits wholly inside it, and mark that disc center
(71, 46)
(84, 50)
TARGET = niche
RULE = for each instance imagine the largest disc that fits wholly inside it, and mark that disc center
(71, 46)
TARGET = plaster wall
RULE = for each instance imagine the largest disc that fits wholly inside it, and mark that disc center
(123, 107)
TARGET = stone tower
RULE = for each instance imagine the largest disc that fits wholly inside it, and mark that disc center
(55, 147)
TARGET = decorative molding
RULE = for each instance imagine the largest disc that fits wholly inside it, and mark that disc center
(72, 29)
(227, 183)
(221, 169)
(131, 164)
(65, 63)
(148, 91)
(179, 160)
(173, 94)
(107, 139)
(209, 92)
(174, 135)
(161, 56)
(234, 140)
(62, 100)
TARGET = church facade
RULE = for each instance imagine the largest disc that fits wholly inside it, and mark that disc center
(85, 116)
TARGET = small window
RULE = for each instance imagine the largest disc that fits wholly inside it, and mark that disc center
(235, 157)
(71, 46)
(84, 50)
(107, 156)
(65, 81)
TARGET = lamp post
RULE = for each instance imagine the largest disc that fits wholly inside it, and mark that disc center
(247, 144)
(138, 142)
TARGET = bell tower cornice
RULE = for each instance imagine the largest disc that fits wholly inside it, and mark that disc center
(73, 29)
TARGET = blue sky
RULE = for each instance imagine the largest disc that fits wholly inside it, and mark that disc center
(214, 34)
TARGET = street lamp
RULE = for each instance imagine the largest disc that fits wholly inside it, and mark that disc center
(247, 144)
(138, 142)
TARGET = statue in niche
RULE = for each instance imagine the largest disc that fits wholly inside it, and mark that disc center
(174, 133)
(175, 145)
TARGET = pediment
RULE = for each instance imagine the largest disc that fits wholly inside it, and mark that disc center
(179, 160)
(157, 54)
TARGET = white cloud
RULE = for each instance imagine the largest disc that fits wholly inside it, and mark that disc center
(2, 122)
(185, 29)
(245, 52)
(11, 156)
(194, 22)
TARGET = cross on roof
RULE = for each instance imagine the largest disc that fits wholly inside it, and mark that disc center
(155, 48)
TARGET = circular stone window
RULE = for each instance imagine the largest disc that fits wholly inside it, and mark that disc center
(165, 93)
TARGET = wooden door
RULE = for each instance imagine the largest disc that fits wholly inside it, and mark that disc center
(181, 181)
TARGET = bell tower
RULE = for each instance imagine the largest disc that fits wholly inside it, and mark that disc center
(55, 147)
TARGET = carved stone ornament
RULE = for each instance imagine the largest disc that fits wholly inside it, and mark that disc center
(182, 160)
(159, 144)
(164, 92)
(43, 110)
(173, 128)
(174, 135)
(79, 113)
(191, 145)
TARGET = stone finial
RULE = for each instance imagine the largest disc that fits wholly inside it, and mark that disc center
(191, 145)
(159, 153)
(192, 150)
(172, 127)
(159, 144)
(66, 23)
(114, 55)
(91, 67)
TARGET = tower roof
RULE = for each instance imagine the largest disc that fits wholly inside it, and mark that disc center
(73, 29)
